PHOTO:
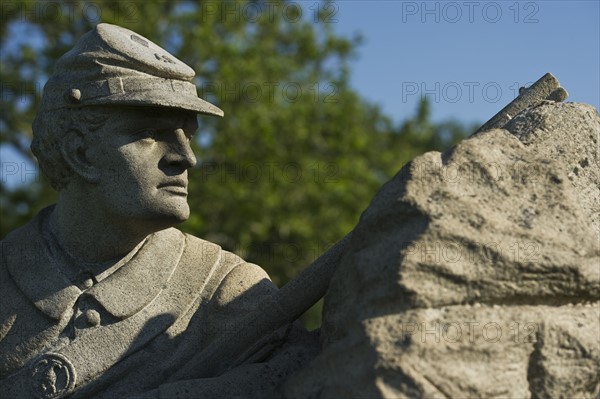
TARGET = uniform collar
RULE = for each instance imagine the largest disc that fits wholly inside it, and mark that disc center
(140, 280)
(122, 294)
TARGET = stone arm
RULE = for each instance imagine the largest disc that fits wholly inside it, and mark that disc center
(259, 371)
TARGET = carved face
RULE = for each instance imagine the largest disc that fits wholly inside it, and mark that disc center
(142, 156)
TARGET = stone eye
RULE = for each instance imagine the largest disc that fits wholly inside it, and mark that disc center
(146, 134)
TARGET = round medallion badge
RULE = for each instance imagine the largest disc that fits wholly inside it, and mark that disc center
(53, 377)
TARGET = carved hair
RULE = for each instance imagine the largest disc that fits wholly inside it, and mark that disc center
(51, 128)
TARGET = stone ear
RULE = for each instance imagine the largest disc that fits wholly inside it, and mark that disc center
(74, 152)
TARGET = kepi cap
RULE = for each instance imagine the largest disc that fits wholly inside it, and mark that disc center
(111, 65)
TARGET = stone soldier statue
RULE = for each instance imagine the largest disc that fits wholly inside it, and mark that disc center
(101, 296)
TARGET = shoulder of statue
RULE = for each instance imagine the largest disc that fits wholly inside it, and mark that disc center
(206, 253)
(244, 288)
(26, 257)
(27, 238)
(235, 279)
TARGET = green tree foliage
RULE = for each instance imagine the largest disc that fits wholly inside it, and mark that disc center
(299, 153)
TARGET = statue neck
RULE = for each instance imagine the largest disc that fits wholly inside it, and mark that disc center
(86, 234)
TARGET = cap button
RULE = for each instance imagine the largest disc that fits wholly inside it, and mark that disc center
(73, 96)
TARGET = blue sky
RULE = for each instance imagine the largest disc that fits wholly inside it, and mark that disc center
(469, 57)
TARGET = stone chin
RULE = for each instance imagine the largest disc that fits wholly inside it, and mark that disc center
(182, 214)
(159, 215)
(174, 212)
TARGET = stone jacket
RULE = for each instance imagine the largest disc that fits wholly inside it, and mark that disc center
(126, 334)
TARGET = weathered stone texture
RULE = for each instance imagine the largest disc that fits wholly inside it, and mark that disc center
(474, 272)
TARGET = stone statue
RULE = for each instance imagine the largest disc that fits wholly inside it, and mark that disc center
(476, 268)
(101, 296)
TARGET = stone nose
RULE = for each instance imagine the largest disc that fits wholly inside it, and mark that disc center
(180, 150)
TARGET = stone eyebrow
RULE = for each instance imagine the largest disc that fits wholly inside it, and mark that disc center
(162, 125)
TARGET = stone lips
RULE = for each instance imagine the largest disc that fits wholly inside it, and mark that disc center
(111, 65)
(474, 273)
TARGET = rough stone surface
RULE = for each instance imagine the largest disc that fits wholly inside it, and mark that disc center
(474, 272)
